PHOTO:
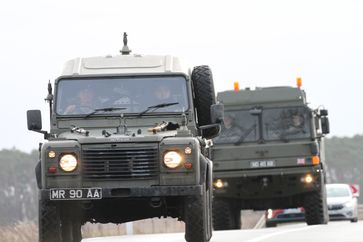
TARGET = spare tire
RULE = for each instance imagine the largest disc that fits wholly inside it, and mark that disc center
(204, 97)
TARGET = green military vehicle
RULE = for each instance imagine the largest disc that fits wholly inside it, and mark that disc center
(270, 154)
(129, 138)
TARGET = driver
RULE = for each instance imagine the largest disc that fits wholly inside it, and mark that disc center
(84, 103)
(230, 132)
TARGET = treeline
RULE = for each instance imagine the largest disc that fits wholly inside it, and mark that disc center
(18, 191)
(344, 157)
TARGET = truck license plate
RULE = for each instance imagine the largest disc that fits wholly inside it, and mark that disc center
(262, 164)
(76, 194)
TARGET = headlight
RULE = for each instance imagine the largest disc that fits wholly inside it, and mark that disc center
(172, 159)
(349, 204)
(269, 213)
(68, 162)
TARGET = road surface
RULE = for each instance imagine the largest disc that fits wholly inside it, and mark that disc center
(333, 232)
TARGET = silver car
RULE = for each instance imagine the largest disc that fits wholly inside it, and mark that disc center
(342, 203)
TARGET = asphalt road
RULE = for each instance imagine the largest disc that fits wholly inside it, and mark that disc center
(333, 232)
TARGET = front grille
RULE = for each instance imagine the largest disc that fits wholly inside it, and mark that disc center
(116, 162)
(335, 207)
(291, 215)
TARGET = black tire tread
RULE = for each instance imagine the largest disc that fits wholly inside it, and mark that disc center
(49, 222)
(225, 217)
(195, 222)
(203, 85)
(315, 208)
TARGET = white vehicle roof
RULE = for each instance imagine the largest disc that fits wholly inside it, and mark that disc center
(123, 64)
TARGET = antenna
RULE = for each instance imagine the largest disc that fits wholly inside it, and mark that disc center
(125, 49)
(49, 98)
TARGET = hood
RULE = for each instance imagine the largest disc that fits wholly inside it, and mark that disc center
(97, 136)
(338, 200)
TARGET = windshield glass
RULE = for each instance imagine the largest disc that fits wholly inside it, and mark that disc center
(286, 123)
(337, 191)
(238, 127)
(133, 95)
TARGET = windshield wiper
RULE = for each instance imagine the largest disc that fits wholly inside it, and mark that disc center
(155, 107)
(245, 135)
(109, 109)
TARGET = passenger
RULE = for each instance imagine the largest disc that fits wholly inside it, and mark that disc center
(295, 125)
(162, 94)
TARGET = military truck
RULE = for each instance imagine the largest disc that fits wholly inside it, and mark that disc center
(269, 155)
(129, 139)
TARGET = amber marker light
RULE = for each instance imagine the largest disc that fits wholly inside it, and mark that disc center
(236, 86)
(299, 82)
(51, 154)
(188, 150)
(315, 160)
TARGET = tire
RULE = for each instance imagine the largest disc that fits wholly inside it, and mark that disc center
(38, 175)
(49, 222)
(354, 220)
(58, 223)
(226, 215)
(203, 86)
(315, 205)
(197, 213)
(270, 224)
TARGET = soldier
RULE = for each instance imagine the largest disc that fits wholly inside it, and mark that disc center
(85, 103)
(230, 132)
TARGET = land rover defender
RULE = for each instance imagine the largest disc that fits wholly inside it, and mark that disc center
(129, 139)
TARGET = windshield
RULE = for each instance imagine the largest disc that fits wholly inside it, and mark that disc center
(337, 191)
(277, 124)
(131, 95)
(286, 123)
(238, 127)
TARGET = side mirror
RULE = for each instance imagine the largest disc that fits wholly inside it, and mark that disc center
(323, 112)
(325, 126)
(217, 113)
(34, 118)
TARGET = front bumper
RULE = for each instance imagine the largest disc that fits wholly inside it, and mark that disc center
(140, 192)
(268, 183)
(344, 213)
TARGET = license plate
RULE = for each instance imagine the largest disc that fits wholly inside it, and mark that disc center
(262, 164)
(292, 210)
(76, 194)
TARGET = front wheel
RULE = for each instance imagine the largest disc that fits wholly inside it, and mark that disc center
(49, 222)
(316, 208)
(197, 212)
(226, 215)
(354, 220)
(58, 223)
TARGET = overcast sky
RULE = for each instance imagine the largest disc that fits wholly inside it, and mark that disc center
(258, 43)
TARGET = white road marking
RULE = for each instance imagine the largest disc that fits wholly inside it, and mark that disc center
(267, 236)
